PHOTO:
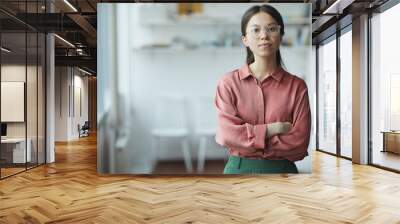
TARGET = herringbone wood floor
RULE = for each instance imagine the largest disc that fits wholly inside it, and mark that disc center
(70, 191)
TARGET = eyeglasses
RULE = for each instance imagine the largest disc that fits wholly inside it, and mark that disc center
(272, 30)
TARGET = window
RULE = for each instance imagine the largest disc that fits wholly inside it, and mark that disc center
(327, 97)
(385, 89)
(346, 94)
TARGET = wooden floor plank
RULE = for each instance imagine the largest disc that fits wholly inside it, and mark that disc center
(70, 191)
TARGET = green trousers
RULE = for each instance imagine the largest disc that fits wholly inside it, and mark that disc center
(239, 165)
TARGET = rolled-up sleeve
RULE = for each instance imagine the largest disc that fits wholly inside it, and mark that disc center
(232, 130)
(294, 144)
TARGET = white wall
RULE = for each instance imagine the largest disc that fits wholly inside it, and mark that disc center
(68, 82)
(33, 126)
(61, 103)
(11, 73)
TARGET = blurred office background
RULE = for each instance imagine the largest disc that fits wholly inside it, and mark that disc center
(61, 71)
(158, 67)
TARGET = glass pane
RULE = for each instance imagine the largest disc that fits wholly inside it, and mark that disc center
(327, 97)
(13, 87)
(346, 94)
(386, 89)
(31, 97)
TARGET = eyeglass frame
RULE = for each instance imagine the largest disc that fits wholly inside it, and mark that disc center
(266, 29)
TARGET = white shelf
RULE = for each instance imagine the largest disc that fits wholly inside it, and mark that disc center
(188, 50)
(297, 21)
(284, 49)
(191, 22)
(207, 21)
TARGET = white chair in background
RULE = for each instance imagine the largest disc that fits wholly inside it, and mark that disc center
(205, 126)
(170, 122)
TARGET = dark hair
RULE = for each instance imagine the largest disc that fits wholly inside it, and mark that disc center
(245, 20)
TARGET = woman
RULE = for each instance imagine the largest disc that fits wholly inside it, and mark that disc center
(264, 115)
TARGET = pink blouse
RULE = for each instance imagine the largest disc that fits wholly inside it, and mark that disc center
(245, 107)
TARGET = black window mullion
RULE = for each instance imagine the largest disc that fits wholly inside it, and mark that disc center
(37, 90)
(45, 93)
(317, 95)
(338, 117)
(369, 91)
(73, 91)
(26, 86)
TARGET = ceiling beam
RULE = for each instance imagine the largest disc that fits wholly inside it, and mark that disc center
(84, 61)
(84, 24)
(337, 6)
(320, 22)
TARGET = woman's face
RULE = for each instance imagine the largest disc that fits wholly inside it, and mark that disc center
(262, 35)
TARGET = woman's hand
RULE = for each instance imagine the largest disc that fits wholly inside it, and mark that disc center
(278, 128)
